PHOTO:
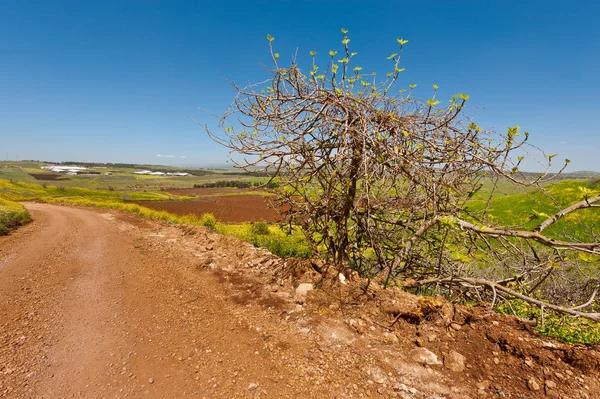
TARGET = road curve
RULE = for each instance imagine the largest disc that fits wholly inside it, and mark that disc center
(89, 308)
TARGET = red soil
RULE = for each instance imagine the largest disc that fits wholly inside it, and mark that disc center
(208, 191)
(239, 208)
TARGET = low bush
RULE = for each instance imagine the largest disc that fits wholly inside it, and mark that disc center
(208, 220)
(278, 241)
(259, 228)
(12, 214)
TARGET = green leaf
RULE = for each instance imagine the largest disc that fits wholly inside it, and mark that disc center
(345, 41)
(270, 38)
(391, 57)
(358, 68)
(402, 41)
(313, 53)
(432, 102)
(276, 55)
(435, 87)
(398, 70)
(412, 85)
(343, 60)
(344, 31)
(332, 53)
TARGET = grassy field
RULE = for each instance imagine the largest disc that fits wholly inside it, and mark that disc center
(527, 209)
(119, 178)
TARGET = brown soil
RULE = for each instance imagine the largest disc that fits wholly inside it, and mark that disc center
(104, 304)
(208, 191)
(231, 208)
(48, 176)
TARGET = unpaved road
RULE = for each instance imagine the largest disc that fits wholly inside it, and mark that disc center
(88, 309)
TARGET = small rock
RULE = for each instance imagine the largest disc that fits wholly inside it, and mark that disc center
(424, 356)
(302, 292)
(252, 386)
(533, 384)
(400, 387)
(151, 380)
(390, 337)
(455, 326)
(550, 384)
(455, 361)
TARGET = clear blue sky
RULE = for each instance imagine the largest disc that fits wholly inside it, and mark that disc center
(120, 81)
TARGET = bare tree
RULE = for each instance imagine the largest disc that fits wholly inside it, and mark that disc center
(379, 179)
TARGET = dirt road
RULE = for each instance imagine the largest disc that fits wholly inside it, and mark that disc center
(89, 310)
(102, 304)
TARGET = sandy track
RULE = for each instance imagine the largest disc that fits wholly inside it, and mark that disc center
(89, 310)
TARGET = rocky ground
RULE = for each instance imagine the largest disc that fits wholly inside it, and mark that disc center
(99, 304)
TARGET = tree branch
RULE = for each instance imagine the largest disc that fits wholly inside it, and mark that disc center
(586, 203)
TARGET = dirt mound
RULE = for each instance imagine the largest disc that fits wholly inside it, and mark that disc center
(425, 343)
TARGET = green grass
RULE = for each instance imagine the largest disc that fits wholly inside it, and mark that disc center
(20, 191)
(562, 328)
(275, 239)
(12, 215)
(527, 210)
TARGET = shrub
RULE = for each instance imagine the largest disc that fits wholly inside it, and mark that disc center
(259, 228)
(12, 214)
(209, 220)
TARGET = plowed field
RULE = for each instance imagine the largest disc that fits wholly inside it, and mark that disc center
(230, 208)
